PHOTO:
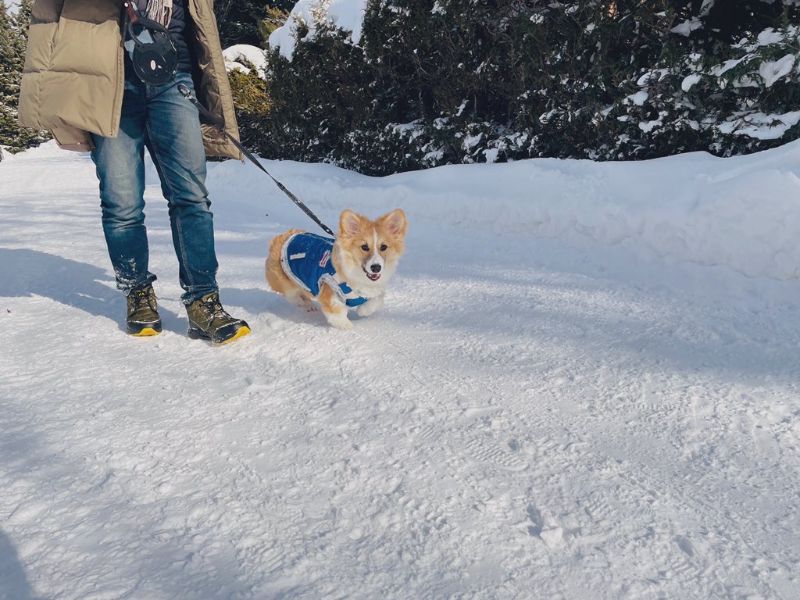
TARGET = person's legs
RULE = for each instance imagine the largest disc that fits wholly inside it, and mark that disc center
(174, 140)
(119, 164)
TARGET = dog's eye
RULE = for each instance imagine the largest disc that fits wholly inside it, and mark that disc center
(365, 248)
(384, 247)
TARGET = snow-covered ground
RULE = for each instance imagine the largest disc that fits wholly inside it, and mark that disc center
(585, 384)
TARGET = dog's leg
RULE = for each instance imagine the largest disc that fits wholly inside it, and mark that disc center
(300, 298)
(334, 309)
(370, 306)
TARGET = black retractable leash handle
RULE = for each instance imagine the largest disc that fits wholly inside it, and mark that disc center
(187, 93)
(154, 57)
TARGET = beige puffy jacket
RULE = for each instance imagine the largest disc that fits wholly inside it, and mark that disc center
(73, 79)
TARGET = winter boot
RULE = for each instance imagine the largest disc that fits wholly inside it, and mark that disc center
(209, 321)
(143, 319)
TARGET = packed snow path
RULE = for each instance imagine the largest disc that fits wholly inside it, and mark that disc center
(554, 403)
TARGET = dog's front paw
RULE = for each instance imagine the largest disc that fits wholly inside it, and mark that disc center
(344, 325)
(340, 321)
(369, 307)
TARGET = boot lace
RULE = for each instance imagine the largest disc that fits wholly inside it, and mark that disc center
(141, 297)
(214, 308)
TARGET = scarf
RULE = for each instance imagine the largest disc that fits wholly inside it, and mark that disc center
(159, 11)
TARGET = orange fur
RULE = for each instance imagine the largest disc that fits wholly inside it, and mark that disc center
(351, 239)
(277, 279)
(328, 302)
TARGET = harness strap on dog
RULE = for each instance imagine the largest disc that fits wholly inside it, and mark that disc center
(348, 295)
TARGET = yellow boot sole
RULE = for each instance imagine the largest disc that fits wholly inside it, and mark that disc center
(240, 333)
(197, 334)
(145, 332)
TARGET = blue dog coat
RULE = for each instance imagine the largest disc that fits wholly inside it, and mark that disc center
(306, 260)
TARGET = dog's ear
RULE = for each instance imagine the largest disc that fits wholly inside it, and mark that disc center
(350, 224)
(395, 222)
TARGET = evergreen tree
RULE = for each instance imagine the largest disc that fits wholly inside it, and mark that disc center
(446, 81)
(721, 21)
(13, 40)
(248, 21)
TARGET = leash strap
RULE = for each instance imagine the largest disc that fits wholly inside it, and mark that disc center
(132, 12)
(187, 93)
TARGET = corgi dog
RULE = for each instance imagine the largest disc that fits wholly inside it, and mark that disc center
(351, 271)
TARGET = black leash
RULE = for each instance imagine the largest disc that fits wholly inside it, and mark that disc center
(187, 93)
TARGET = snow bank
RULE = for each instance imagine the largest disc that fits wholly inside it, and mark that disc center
(345, 14)
(238, 56)
(741, 212)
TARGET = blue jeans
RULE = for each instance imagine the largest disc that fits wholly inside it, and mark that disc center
(161, 119)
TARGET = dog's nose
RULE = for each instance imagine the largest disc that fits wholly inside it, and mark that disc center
(375, 268)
